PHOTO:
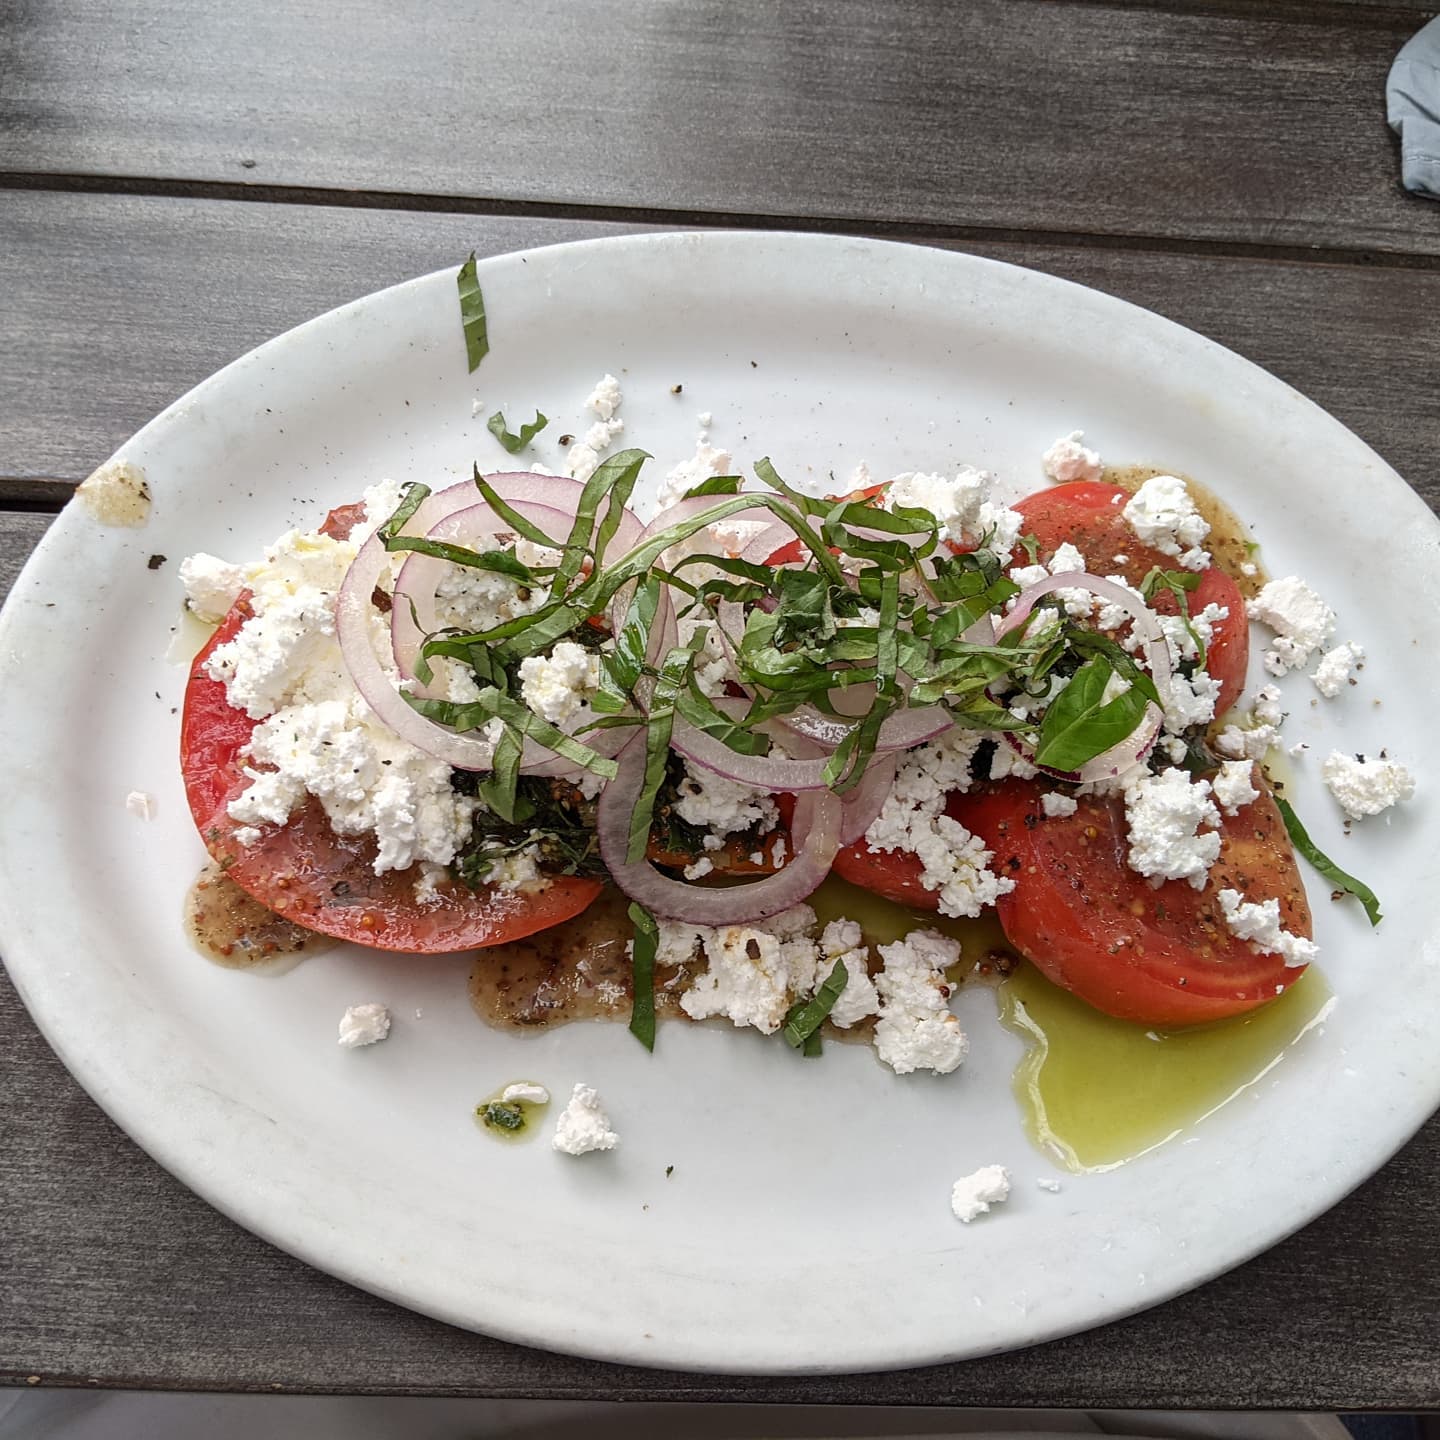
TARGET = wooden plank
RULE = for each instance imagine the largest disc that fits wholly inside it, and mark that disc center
(1227, 123)
(19, 535)
(116, 1274)
(191, 284)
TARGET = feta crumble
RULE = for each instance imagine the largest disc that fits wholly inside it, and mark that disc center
(1303, 623)
(212, 586)
(583, 1125)
(916, 1029)
(1366, 786)
(1165, 813)
(1336, 668)
(584, 456)
(721, 806)
(1233, 787)
(527, 1091)
(954, 862)
(365, 1024)
(708, 461)
(962, 507)
(973, 1195)
(1056, 806)
(556, 688)
(1260, 925)
(843, 940)
(140, 805)
(1162, 514)
(1067, 459)
(751, 973)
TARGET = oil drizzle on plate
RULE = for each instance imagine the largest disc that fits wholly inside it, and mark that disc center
(234, 930)
(530, 1113)
(1096, 1092)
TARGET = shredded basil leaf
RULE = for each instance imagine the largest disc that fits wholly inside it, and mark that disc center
(1326, 866)
(805, 1021)
(642, 965)
(510, 515)
(515, 443)
(472, 313)
(501, 1115)
(1081, 724)
(716, 485)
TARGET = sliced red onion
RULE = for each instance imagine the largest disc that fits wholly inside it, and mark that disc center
(814, 835)
(414, 615)
(1130, 751)
(862, 806)
(541, 498)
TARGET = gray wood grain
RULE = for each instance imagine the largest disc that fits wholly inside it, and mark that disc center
(1226, 123)
(190, 285)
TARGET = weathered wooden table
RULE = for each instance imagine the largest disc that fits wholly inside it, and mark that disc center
(180, 181)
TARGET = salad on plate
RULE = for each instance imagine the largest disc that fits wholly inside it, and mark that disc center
(515, 716)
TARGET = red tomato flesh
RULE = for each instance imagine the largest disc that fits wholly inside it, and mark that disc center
(1157, 955)
(323, 881)
(1088, 515)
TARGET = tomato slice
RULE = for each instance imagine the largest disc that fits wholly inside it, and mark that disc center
(1088, 514)
(1156, 955)
(324, 881)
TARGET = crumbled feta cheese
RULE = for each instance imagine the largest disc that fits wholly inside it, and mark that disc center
(116, 494)
(1066, 560)
(583, 1125)
(1263, 732)
(556, 688)
(1008, 761)
(913, 819)
(605, 397)
(1366, 786)
(751, 972)
(1303, 623)
(140, 805)
(1180, 635)
(973, 1195)
(1189, 700)
(843, 940)
(1045, 1183)
(1233, 787)
(961, 506)
(707, 461)
(519, 870)
(1055, 805)
(701, 867)
(722, 806)
(1260, 925)
(365, 1024)
(1336, 667)
(527, 1091)
(1164, 812)
(212, 585)
(916, 1029)
(1162, 514)
(1067, 459)
(1112, 615)
(365, 776)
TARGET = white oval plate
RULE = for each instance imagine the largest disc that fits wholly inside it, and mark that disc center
(806, 1226)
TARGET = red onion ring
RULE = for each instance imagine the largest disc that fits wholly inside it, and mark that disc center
(862, 806)
(815, 838)
(1129, 752)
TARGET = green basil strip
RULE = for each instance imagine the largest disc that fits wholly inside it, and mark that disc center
(622, 667)
(491, 703)
(1325, 865)
(642, 966)
(801, 1024)
(673, 675)
(412, 497)
(697, 707)
(512, 517)
(500, 562)
(514, 444)
(610, 474)
(716, 485)
(539, 631)
(1080, 724)
(498, 789)
(472, 313)
(1177, 583)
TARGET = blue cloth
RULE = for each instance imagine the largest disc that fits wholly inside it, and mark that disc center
(1412, 103)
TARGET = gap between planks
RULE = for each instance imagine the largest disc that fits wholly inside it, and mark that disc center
(916, 232)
